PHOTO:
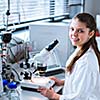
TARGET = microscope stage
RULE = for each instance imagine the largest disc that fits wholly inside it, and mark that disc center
(36, 82)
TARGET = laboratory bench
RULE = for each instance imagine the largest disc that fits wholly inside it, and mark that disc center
(33, 95)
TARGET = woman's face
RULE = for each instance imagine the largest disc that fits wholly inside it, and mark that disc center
(78, 33)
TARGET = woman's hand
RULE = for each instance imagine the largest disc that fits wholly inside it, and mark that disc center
(49, 93)
(57, 81)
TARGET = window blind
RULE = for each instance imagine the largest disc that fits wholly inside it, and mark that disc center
(22, 11)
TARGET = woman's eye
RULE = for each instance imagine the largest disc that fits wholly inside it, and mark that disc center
(72, 29)
(80, 31)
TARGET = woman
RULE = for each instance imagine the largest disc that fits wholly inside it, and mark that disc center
(83, 66)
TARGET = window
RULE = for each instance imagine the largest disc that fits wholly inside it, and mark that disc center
(21, 11)
(76, 6)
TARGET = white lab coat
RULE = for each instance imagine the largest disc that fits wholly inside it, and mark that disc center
(84, 82)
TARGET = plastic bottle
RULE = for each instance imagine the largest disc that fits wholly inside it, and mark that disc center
(13, 93)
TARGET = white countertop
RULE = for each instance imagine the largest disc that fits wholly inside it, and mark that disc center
(31, 95)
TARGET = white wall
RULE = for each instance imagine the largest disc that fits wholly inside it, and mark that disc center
(98, 22)
(92, 6)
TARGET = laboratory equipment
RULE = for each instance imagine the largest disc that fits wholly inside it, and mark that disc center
(36, 82)
(45, 52)
(13, 93)
(41, 68)
(41, 59)
(40, 63)
(6, 37)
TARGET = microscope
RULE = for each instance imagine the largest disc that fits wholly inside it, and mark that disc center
(40, 63)
(46, 57)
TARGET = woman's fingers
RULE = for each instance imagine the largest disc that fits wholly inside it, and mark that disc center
(41, 88)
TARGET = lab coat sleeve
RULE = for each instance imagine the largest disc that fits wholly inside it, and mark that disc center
(81, 83)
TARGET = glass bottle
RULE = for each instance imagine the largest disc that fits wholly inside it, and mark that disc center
(13, 93)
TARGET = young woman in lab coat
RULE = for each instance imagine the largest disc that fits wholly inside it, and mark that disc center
(83, 66)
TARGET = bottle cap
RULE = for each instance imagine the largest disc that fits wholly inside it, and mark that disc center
(5, 82)
(12, 85)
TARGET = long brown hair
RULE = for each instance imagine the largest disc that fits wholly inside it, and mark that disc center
(91, 24)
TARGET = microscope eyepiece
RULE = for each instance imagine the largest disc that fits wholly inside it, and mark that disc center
(52, 45)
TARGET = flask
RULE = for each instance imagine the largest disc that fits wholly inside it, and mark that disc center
(13, 93)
